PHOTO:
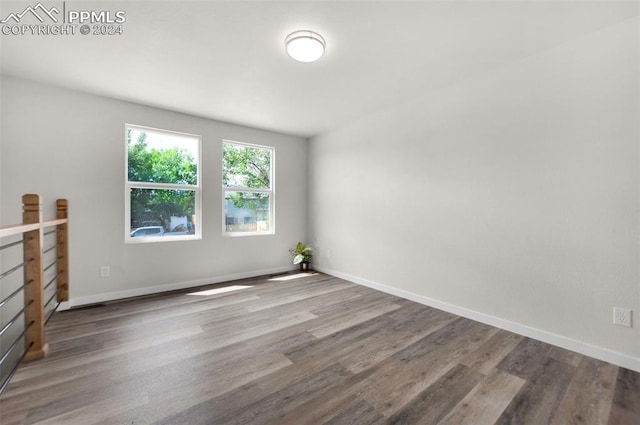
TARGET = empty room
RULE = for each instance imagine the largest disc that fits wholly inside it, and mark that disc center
(319, 212)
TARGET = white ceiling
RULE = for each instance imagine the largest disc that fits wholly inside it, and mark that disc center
(226, 60)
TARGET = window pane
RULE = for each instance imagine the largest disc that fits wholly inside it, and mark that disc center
(160, 157)
(246, 212)
(246, 166)
(162, 212)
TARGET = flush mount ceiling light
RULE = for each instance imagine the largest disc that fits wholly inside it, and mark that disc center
(305, 46)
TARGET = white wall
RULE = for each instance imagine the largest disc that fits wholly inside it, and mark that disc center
(60, 143)
(512, 197)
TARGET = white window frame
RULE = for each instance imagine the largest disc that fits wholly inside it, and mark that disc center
(271, 191)
(146, 185)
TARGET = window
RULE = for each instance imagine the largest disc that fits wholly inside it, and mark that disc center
(163, 185)
(247, 180)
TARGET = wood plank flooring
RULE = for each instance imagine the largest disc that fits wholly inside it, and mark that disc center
(305, 349)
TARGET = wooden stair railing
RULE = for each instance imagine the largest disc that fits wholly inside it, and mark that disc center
(33, 230)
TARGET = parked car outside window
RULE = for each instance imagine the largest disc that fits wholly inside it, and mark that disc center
(147, 231)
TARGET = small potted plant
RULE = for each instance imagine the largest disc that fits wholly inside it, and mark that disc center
(301, 255)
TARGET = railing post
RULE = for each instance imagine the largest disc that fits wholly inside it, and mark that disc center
(33, 277)
(62, 282)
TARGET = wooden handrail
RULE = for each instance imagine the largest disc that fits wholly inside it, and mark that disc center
(22, 228)
(18, 229)
(55, 222)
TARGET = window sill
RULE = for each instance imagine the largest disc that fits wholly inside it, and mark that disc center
(241, 234)
(154, 239)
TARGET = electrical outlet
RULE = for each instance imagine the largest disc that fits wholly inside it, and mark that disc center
(622, 316)
(105, 271)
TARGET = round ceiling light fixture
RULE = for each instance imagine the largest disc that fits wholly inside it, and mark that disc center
(305, 46)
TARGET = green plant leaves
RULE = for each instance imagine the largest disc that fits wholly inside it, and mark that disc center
(302, 253)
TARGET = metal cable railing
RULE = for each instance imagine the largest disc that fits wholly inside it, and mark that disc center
(16, 268)
(13, 294)
(9, 245)
(32, 311)
(15, 318)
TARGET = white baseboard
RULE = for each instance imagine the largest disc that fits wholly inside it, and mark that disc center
(590, 350)
(148, 290)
